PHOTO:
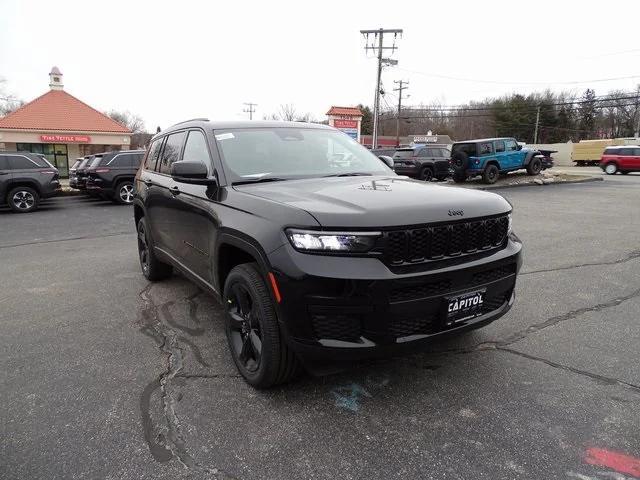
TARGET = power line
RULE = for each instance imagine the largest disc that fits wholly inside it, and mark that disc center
(378, 36)
(501, 82)
(250, 110)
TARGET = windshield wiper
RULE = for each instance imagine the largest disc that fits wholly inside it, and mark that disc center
(351, 174)
(261, 180)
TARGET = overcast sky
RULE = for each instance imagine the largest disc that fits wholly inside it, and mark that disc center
(170, 61)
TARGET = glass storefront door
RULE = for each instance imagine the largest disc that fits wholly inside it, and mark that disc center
(61, 160)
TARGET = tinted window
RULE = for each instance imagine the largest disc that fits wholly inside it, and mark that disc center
(94, 163)
(135, 159)
(122, 160)
(422, 152)
(636, 152)
(468, 148)
(610, 151)
(445, 153)
(626, 151)
(152, 154)
(499, 146)
(400, 154)
(4, 163)
(22, 163)
(511, 145)
(195, 150)
(171, 152)
(485, 148)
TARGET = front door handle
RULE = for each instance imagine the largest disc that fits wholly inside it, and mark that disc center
(174, 190)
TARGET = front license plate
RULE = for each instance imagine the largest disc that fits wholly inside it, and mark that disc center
(464, 307)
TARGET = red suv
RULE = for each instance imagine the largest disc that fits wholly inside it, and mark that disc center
(623, 159)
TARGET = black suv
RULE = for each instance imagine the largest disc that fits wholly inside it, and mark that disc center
(25, 178)
(111, 175)
(319, 253)
(423, 162)
(81, 172)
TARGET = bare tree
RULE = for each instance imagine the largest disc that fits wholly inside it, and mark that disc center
(288, 112)
(8, 102)
(127, 119)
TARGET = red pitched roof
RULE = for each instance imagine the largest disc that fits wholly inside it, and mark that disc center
(344, 111)
(57, 110)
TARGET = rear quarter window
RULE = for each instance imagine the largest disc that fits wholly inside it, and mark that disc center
(152, 154)
(19, 162)
(400, 154)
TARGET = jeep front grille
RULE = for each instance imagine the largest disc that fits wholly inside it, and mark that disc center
(439, 242)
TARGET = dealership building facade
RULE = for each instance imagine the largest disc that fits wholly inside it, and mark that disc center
(61, 127)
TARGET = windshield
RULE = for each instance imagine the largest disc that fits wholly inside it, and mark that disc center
(253, 154)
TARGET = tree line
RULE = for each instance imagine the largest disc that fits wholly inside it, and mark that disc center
(560, 117)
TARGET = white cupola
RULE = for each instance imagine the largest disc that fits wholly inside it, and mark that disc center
(55, 79)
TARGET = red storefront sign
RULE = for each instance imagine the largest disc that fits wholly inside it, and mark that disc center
(345, 123)
(65, 138)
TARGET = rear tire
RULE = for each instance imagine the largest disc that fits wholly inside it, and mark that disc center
(124, 192)
(426, 174)
(23, 199)
(491, 174)
(152, 268)
(459, 177)
(256, 344)
(535, 166)
(611, 168)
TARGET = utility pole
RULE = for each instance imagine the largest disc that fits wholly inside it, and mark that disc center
(379, 36)
(403, 85)
(535, 134)
(250, 109)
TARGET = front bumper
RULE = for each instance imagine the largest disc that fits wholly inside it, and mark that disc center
(340, 309)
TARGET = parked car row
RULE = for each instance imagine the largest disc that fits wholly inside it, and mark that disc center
(487, 157)
(25, 179)
(109, 175)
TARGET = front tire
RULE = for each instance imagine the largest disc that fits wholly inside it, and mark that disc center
(23, 199)
(256, 344)
(490, 174)
(152, 268)
(535, 166)
(611, 168)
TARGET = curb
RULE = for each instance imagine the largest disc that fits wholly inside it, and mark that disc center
(566, 182)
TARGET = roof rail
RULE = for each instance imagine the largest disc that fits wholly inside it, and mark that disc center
(202, 119)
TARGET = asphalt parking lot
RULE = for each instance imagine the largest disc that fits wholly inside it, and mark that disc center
(107, 376)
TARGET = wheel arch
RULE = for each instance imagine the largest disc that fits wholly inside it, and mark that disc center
(232, 250)
(529, 156)
(23, 183)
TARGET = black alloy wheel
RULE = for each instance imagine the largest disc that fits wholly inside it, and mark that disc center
(490, 174)
(152, 268)
(143, 249)
(426, 174)
(244, 326)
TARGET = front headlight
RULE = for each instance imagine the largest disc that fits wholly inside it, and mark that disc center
(309, 240)
(510, 225)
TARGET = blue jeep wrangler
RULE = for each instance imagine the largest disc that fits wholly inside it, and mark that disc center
(490, 157)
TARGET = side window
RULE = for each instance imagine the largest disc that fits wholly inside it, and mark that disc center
(195, 150)
(171, 152)
(135, 159)
(4, 163)
(626, 151)
(511, 145)
(636, 152)
(152, 155)
(485, 148)
(121, 160)
(445, 153)
(421, 153)
(499, 146)
(18, 162)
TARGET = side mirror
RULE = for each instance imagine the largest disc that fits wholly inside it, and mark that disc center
(519, 147)
(387, 160)
(191, 172)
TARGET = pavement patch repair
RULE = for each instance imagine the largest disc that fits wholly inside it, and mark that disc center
(108, 376)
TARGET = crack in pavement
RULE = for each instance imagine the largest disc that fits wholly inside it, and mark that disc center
(58, 240)
(594, 376)
(630, 256)
(169, 443)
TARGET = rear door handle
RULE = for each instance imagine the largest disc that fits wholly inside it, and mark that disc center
(174, 190)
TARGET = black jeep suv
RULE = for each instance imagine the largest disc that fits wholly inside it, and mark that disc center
(25, 178)
(319, 253)
(423, 162)
(111, 175)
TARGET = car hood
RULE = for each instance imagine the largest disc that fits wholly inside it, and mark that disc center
(379, 201)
